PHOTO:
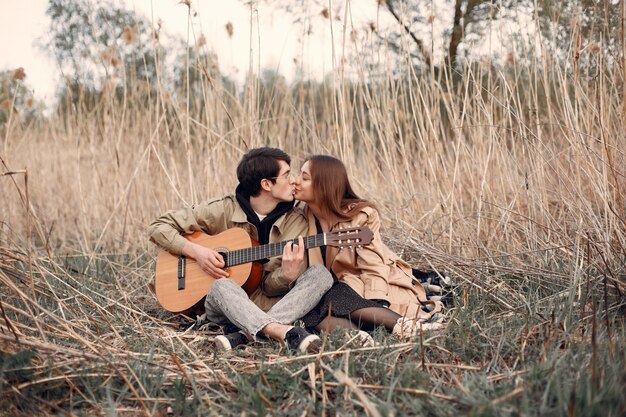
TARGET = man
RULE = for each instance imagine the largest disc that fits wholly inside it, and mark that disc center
(263, 205)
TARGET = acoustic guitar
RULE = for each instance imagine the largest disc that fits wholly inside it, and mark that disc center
(181, 284)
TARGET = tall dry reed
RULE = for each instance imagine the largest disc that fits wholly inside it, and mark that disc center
(510, 178)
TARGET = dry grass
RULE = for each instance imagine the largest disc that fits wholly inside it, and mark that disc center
(511, 179)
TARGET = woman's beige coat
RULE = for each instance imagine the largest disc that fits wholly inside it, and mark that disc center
(374, 271)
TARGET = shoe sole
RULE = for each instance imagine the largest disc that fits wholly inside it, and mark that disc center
(365, 339)
(222, 344)
(311, 344)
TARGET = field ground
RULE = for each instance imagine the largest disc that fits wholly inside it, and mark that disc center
(513, 182)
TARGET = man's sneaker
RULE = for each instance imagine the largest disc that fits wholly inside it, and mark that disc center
(299, 340)
(224, 343)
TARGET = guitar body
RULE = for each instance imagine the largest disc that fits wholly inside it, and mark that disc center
(196, 281)
(181, 285)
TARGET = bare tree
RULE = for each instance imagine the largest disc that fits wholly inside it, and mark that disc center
(413, 18)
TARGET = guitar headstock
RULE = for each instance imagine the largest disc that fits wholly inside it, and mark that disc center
(351, 236)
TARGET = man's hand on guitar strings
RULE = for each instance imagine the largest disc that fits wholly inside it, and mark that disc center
(293, 257)
(208, 259)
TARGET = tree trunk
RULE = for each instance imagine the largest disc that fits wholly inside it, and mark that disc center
(457, 34)
(461, 20)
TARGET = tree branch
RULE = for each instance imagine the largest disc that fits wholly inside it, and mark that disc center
(418, 42)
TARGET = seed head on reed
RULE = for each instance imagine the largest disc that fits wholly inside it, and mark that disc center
(229, 29)
(109, 56)
(157, 30)
(325, 13)
(201, 41)
(510, 58)
(129, 35)
(19, 74)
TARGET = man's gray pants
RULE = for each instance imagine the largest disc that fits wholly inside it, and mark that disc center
(228, 302)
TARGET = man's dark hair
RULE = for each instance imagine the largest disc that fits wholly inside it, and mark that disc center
(257, 164)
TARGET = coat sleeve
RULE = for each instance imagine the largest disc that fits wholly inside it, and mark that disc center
(373, 271)
(274, 283)
(167, 230)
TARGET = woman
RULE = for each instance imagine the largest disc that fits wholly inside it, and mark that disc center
(375, 287)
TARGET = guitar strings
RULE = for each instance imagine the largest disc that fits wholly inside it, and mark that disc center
(255, 253)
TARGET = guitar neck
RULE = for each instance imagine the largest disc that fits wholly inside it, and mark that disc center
(270, 250)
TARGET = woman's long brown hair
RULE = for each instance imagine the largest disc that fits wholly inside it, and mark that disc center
(333, 192)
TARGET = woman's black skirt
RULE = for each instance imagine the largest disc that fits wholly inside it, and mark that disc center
(339, 301)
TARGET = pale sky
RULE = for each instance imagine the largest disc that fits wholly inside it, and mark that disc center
(276, 41)
(21, 22)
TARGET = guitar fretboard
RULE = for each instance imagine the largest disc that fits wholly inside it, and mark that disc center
(256, 253)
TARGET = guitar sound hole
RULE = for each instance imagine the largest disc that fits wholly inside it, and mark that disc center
(225, 256)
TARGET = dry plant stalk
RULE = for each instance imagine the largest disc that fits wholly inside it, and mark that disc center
(512, 181)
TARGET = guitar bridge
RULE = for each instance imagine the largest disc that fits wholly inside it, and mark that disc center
(181, 272)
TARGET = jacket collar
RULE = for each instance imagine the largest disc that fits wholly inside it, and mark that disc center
(239, 216)
(243, 210)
